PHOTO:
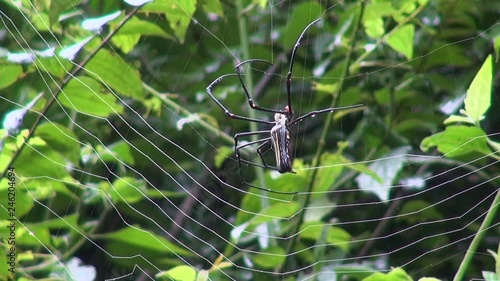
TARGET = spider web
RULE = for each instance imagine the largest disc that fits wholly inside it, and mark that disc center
(138, 185)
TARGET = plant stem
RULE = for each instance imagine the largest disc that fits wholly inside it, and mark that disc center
(478, 238)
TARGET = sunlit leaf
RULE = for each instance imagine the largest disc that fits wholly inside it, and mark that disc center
(478, 97)
(457, 141)
(402, 40)
(9, 73)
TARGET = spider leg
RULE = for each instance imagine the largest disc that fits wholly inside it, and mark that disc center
(321, 111)
(226, 110)
(265, 142)
(292, 59)
(252, 104)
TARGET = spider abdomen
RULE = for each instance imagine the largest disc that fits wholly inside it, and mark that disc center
(280, 139)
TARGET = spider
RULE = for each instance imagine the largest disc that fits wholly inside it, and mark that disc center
(278, 137)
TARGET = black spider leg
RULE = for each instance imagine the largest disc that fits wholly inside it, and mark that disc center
(321, 111)
(292, 60)
(237, 147)
(264, 142)
(252, 104)
(226, 110)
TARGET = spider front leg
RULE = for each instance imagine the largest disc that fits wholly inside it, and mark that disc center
(226, 110)
(252, 104)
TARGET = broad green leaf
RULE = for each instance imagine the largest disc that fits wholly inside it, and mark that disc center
(21, 204)
(127, 189)
(115, 73)
(418, 211)
(402, 40)
(387, 168)
(458, 119)
(61, 139)
(457, 141)
(127, 42)
(222, 154)
(178, 273)
(302, 15)
(280, 210)
(396, 274)
(40, 160)
(137, 26)
(178, 14)
(213, 6)
(336, 236)
(68, 223)
(59, 6)
(429, 279)
(478, 98)
(146, 240)
(490, 276)
(9, 74)
(86, 95)
(116, 152)
(270, 258)
(329, 173)
(56, 66)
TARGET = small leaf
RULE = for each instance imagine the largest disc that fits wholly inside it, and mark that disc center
(61, 139)
(59, 6)
(146, 240)
(178, 273)
(270, 258)
(396, 274)
(490, 276)
(478, 98)
(114, 72)
(458, 119)
(178, 14)
(335, 236)
(9, 73)
(85, 95)
(457, 141)
(222, 154)
(402, 40)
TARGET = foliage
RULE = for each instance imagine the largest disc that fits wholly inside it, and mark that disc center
(122, 161)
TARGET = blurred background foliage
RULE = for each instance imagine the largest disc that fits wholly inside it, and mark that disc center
(121, 153)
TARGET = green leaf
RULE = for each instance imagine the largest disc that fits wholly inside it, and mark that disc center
(9, 73)
(458, 119)
(402, 40)
(40, 160)
(457, 141)
(22, 203)
(282, 210)
(116, 152)
(56, 66)
(270, 258)
(146, 28)
(178, 13)
(222, 154)
(146, 240)
(115, 73)
(387, 168)
(60, 139)
(59, 6)
(336, 236)
(302, 15)
(396, 274)
(490, 276)
(429, 279)
(85, 95)
(327, 175)
(213, 6)
(126, 43)
(478, 98)
(178, 273)
(127, 189)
